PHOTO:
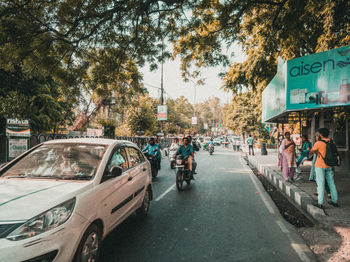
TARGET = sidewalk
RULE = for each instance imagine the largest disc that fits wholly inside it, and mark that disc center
(302, 192)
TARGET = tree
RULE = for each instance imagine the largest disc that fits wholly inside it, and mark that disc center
(142, 117)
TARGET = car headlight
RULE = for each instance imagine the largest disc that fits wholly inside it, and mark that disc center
(46, 221)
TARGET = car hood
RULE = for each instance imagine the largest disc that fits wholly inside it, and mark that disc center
(21, 199)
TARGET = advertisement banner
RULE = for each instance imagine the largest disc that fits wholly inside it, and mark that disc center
(17, 147)
(319, 80)
(18, 128)
(274, 95)
(94, 132)
(194, 120)
(162, 113)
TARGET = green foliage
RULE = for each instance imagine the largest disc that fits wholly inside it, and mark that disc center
(142, 116)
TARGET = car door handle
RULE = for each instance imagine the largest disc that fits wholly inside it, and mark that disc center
(130, 178)
(144, 169)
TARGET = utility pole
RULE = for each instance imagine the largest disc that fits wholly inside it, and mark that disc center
(161, 77)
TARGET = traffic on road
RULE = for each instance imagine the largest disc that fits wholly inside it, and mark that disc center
(90, 200)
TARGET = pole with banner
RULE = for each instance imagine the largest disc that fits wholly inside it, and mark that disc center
(162, 114)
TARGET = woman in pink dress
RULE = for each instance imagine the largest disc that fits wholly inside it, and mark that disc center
(288, 160)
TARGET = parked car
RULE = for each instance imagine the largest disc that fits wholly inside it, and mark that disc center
(61, 198)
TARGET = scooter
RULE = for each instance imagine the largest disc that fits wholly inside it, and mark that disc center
(182, 173)
(154, 164)
(211, 149)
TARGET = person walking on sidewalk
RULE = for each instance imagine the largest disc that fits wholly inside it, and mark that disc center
(250, 142)
(323, 171)
(304, 154)
(288, 163)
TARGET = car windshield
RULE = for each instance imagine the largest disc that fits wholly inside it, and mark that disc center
(59, 161)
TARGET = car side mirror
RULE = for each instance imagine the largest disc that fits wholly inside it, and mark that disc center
(115, 171)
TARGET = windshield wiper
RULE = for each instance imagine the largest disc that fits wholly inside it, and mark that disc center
(77, 177)
(19, 176)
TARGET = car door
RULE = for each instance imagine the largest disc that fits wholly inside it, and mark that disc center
(116, 192)
(139, 170)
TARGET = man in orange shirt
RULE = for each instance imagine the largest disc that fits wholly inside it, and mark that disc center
(323, 171)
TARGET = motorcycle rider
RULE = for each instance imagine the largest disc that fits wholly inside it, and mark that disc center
(195, 148)
(152, 148)
(174, 145)
(186, 150)
(211, 144)
(157, 141)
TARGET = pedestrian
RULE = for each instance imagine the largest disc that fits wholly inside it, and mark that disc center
(250, 142)
(324, 172)
(234, 145)
(304, 154)
(288, 163)
(238, 145)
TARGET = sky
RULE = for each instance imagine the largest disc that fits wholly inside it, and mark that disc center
(175, 87)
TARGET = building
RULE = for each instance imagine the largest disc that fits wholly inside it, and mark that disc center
(313, 90)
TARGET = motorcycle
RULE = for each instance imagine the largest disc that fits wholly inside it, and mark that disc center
(211, 149)
(154, 164)
(182, 173)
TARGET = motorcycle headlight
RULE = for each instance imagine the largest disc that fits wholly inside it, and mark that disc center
(179, 161)
(46, 221)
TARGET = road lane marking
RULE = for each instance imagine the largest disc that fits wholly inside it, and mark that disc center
(282, 226)
(165, 192)
(300, 249)
(262, 190)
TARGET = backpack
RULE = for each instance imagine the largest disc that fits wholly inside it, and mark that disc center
(332, 156)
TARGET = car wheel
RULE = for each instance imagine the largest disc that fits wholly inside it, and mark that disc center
(144, 208)
(90, 245)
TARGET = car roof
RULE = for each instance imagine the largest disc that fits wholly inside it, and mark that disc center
(92, 141)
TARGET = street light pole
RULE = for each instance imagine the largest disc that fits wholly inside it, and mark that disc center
(161, 77)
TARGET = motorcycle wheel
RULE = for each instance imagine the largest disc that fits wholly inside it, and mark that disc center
(188, 181)
(154, 172)
(211, 153)
(179, 180)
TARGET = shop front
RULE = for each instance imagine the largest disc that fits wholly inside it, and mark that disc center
(313, 91)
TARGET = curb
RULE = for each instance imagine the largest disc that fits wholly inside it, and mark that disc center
(297, 196)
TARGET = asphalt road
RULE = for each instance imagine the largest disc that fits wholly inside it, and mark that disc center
(224, 215)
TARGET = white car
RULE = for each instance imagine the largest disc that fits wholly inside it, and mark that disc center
(61, 198)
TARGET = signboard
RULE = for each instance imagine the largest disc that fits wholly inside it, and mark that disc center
(94, 132)
(17, 147)
(18, 128)
(162, 113)
(274, 95)
(205, 126)
(319, 80)
(194, 120)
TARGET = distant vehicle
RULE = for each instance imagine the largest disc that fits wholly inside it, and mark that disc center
(61, 198)
(217, 141)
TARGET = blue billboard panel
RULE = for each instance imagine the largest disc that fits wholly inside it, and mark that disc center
(274, 95)
(319, 80)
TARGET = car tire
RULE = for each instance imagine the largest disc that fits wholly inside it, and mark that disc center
(146, 202)
(92, 237)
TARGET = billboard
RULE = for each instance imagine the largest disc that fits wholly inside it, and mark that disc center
(162, 113)
(319, 80)
(194, 120)
(17, 127)
(274, 95)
